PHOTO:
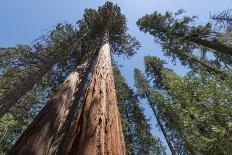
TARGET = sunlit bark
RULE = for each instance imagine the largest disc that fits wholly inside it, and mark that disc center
(42, 134)
(98, 126)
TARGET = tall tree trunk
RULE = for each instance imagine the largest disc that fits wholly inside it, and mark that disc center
(191, 58)
(214, 45)
(172, 149)
(40, 136)
(98, 126)
(27, 84)
(208, 67)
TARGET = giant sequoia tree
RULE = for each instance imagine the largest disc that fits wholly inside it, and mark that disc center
(99, 123)
(97, 127)
(43, 126)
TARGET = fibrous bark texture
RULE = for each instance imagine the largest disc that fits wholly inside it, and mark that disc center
(98, 126)
(42, 134)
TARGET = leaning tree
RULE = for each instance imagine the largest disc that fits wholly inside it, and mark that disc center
(181, 38)
(136, 127)
(155, 99)
(194, 107)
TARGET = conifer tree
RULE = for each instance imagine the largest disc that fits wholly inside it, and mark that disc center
(59, 109)
(107, 21)
(136, 128)
(31, 103)
(202, 127)
(35, 62)
(43, 126)
(99, 124)
(180, 38)
(155, 100)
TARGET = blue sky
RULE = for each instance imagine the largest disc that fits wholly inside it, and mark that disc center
(22, 21)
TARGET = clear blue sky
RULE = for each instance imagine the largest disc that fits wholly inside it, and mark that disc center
(22, 21)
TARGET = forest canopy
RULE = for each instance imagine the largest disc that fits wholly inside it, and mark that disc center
(68, 93)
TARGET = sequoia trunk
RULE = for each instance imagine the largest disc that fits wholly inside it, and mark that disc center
(44, 131)
(98, 124)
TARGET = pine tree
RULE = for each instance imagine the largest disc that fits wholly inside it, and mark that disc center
(181, 39)
(155, 100)
(136, 128)
(195, 104)
(35, 62)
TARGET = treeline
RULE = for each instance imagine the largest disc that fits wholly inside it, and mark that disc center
(194, 111)
(62, 95)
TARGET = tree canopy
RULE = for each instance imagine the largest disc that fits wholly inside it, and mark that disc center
(181, 38)
(62, 95)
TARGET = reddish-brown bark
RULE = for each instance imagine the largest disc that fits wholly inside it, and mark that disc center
(98, 127)
(42, 134)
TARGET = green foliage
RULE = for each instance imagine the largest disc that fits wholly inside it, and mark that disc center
(108, 18)
(63, 48)
(6, 123)
(58, 45)
(161, 106)
(181, 38)
(20, 62)
(200, 104)
(196, 108)
(136, 128)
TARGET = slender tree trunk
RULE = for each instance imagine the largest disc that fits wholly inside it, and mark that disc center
(27, 84)
(40, 136)
(191, 58)
(182, 132)
(204, 64)
(163, 130)
(98, 125)
(213, 45)
(130, 144)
